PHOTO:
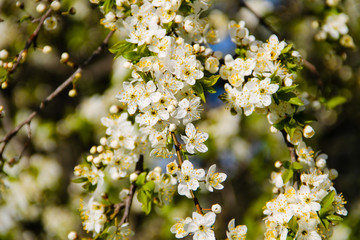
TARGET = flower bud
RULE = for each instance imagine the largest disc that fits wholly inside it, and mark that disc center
(133, 177)
(216, 208)
(196, 47)
(114, 144)
(72, 235)
(100, 148)
(4, 54)
(55, 5)
(333, 174)
(278, 164)
(64, 57)
(46, 49)
(102, 142)
(72, 93)
(178, 19)
(114, 109)
(308, 131)
(321, 163)
(123, 194)
(40, 7)
(97, 160)
(157, 169)
(93, 150)
(172, 127)
(50, 23)
(90, 158)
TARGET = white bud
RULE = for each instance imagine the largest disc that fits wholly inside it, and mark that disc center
(278, 164)
(218, 54)
(93, 150)
(72, 93)
(96, 160)
(158, 169)
(102, 142)
(178, 19)
(275, 190)
(55, 5)
(133, 177)
(46, 49)
(208, 51)
(89, 158)
(273, 129)
(196, 47)
(123, 194)
(64, 57)
(179, 41)
(114, 144)
(110, 17)
(171, 108)
(308, 131)
(172, 127)
(321, 163)
(100, 148)
(333, 174)
(202, 49)
(40, 7)
(212, 64)
(288, 82)
(114, 109)
(189, 26)
(72, 235)
(4, 54)
(216, 208)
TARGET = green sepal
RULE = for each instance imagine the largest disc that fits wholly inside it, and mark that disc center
(287, 175)
(209, 81)
(287, 89)
(280, 125)
(199, 90)
(289, 97)
(286, 164)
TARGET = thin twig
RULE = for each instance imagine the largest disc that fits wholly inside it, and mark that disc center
(31, 40)
(180, 160)
(128, 201)
(52, 95)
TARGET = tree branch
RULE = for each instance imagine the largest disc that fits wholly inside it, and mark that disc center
(30, 41)
(128, 201)
(52, 95)
(180, 160)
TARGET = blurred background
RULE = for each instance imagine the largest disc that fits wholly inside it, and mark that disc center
(38, 199)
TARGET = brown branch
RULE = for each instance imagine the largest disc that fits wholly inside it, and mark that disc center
(311, 67)
(128, 201)
(56, 92)
(293, 158)
(180, 160)
(30, 41)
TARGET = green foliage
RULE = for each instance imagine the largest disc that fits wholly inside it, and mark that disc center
(121, 48)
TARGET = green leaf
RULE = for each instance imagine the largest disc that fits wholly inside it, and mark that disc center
(132, 56)
(141, 179)
(334, 218)
(297, 166)
(144, 196)
(336, 101)
(280, 125)
(325, 223)
(80, 180)
(287, 48)
(121, 48)
(286, 164)
(287, 175)
(290, 129)
(304, 118)
(149, 187)
(293, 225)
(326, 204)
(289, 97)
(24, 18)
(287, 89)
(209, 81)
(199, 90)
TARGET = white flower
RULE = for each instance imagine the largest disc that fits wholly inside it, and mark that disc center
(194, 139)
(307, 230)
(236, 233)
(178, 228)
(336, 25)
(308, 199)
(200, 226)
(214, 179)
(93, 216)
(188, 110)
(189, 178)
(260, 91)
(216, 208)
